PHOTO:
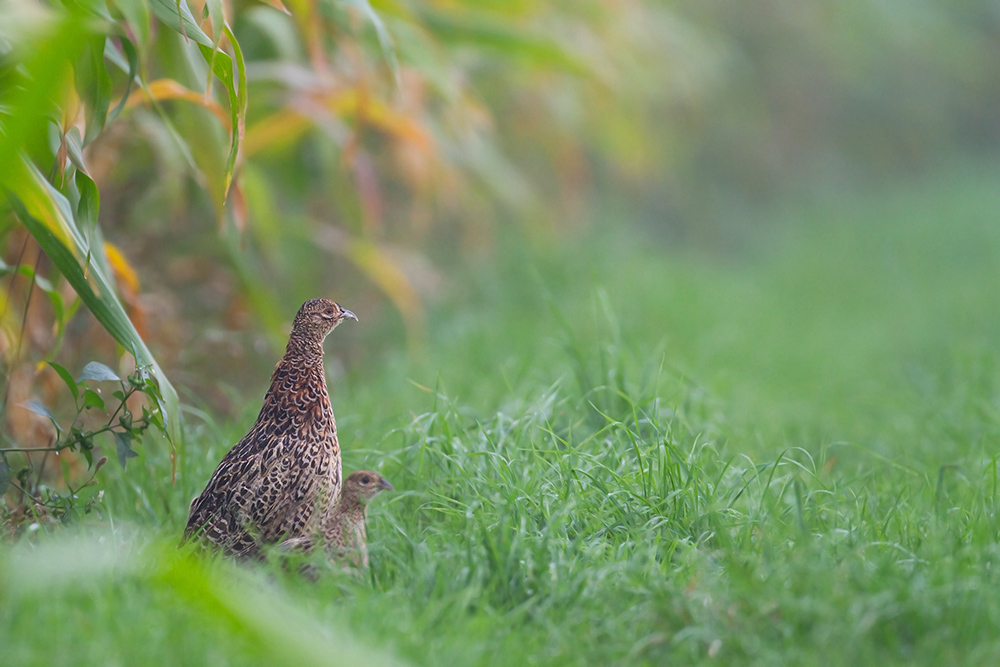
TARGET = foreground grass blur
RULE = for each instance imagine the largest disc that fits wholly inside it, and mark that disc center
(616, 453)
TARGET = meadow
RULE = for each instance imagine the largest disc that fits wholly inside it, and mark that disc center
(612, 451)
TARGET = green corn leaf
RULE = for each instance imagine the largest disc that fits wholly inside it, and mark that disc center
(214, 10)
(177, 15)
(95, 8)
(31, 106)
(485, 32)
(235, 84)
(94, 84)
(47, 215)
(130, 64)
(88, 206)
(136, 14)
(240, 113)
(74, 149)
(384, 39)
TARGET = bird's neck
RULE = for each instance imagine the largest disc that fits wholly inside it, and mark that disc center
(349, 511)
(298, 383)
(304, 350)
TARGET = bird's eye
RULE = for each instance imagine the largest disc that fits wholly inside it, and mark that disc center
(365, 479)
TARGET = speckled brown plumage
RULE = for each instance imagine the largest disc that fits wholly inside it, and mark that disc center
(343, 529)
(276, 482)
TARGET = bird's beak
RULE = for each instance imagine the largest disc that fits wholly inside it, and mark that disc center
(385, 484)
(345, 314)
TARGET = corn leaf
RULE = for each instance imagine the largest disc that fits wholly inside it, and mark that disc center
(214, 10)
(47, 215)
(384, 40)
(136, 14)
(168, 89)
(176, 15)
(130, 64)
(277, 4)
(94, 83)
(222, 66)
(240, 113)
(485, 32)
(30, 105)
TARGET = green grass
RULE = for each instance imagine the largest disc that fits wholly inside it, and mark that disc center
(615, 453)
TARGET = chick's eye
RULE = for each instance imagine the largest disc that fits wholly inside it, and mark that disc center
(365, 479)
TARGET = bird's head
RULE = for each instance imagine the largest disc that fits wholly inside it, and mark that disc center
(318, 317)
(365, 485)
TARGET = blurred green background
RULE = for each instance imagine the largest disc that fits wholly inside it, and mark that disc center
(678, 322)
(384, 148)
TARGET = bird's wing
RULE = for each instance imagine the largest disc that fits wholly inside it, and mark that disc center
(297, 545)
(209, 511)
(270, 485)
(215, 514)
(293, 492)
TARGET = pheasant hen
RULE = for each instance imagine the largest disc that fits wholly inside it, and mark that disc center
(277, 481)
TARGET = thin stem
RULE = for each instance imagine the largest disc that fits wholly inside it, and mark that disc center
(140, 425)
(127, 393)
(33, 449)
(17, 354)
(37, 499)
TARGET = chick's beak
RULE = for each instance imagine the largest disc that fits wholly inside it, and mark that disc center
(385, 484)
(346, 314)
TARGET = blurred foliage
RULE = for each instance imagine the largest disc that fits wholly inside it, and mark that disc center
(240, 157)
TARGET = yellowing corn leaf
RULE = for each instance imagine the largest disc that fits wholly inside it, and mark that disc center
(375, 113)
(286, 126)
(280, 129)
(123, 271)
(168, 89)
(277, 5)
(384, 272)
(380, 268)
